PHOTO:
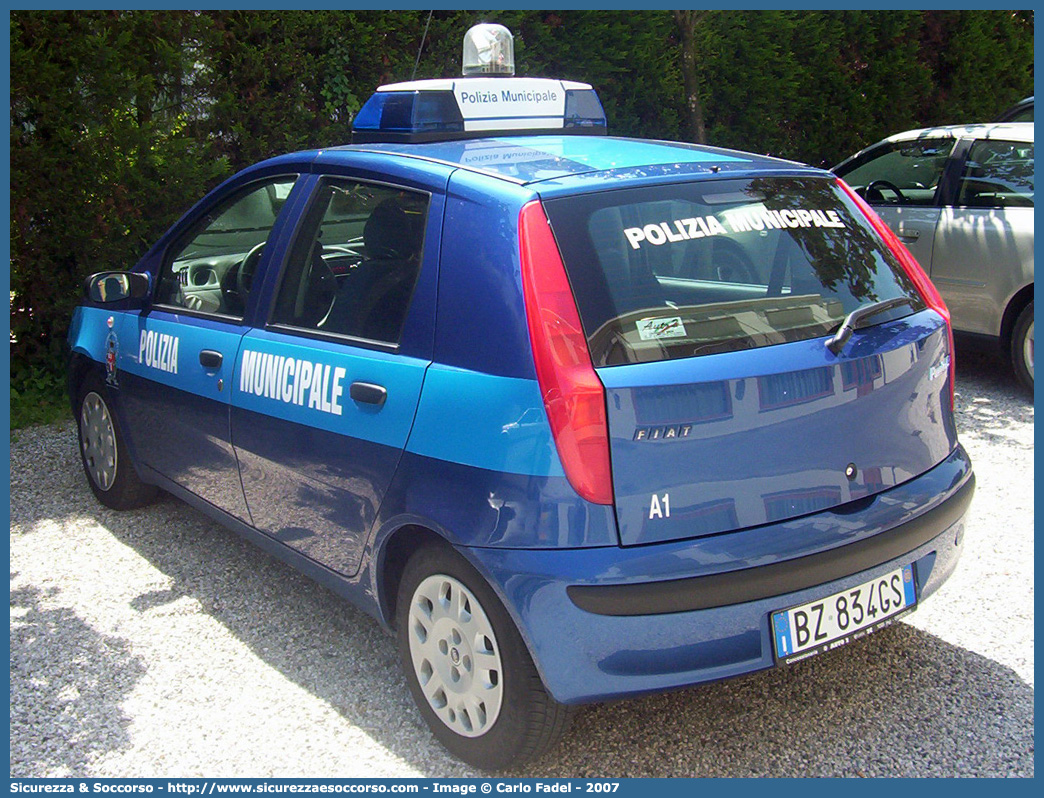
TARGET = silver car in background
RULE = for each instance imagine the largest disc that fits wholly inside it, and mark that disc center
(1022, 111)
(961, 199)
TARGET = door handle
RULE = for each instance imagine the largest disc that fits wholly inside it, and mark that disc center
(209, 359)
(368, 393)
(909, 233)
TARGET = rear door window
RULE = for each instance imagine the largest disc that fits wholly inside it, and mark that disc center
(352, 270)
(998, 174)
(718, 266)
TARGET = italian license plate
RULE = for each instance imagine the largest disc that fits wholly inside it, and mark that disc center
(827, 623)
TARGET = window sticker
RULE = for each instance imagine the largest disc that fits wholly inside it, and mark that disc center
(657, 328)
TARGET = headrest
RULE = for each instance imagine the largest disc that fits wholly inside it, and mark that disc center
(390, 232)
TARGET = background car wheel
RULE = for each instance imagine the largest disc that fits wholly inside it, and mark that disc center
(732, 265)
(1022, 347)
(467, 667)
(103, 453)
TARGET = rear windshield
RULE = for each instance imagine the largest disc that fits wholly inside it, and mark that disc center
(719, 266)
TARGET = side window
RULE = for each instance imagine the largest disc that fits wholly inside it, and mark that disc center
(903, 173)
(212, 267)
(353, 267)
(998, 174)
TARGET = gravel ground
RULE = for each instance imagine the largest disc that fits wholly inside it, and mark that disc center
(156, 643)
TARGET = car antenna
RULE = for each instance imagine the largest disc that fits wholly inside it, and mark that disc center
(423, 37)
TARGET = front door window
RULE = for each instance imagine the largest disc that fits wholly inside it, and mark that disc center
(213, 265)
(901, 173)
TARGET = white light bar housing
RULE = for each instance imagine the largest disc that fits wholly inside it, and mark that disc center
(439, 110)
(488, 104)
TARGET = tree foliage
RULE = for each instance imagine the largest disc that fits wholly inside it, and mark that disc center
(817, 86)
(121, 119)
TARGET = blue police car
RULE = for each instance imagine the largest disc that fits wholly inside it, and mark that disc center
(578, 417)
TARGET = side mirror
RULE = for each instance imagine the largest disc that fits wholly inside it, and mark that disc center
(108, 287)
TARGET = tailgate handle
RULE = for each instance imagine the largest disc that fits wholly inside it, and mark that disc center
(209, 359)
(368, 393)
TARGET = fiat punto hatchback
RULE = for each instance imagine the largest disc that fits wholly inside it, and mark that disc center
(578, 417)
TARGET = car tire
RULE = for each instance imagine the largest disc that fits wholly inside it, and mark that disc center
(103, 452)
(1022, 347)
(468, 668)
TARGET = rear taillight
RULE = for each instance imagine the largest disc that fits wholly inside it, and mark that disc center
(929, 293)
(573, 395)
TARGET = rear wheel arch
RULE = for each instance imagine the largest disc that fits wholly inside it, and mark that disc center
(394, 553)
(1011, 314)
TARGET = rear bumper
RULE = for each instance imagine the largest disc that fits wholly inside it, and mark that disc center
(789, 576)
(609, 622)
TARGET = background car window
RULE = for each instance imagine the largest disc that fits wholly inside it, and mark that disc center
(1022, 111)
(902, 173)
(213, 271)
(353, 268)
(998, 174)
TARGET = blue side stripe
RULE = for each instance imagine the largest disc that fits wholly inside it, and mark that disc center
(339, 365)
(465, 417)
(87, 332)
(487, 421)
(163, 347)
(326, 404)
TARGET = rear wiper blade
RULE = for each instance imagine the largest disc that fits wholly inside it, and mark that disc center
(858, 318)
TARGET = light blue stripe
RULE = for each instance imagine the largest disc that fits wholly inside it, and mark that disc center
(157, 362)
(486, 421)
(342, 364)
(87, 332)
(480, 420)
(388, 424)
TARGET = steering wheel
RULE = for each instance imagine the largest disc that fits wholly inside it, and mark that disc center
(731, 264)
(321, 293)
(342, 249)
(876, 187)
(245, 272)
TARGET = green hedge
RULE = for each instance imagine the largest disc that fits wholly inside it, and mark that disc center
(120, 120)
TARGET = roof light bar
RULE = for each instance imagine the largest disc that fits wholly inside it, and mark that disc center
(439, 110)
(492, 104)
